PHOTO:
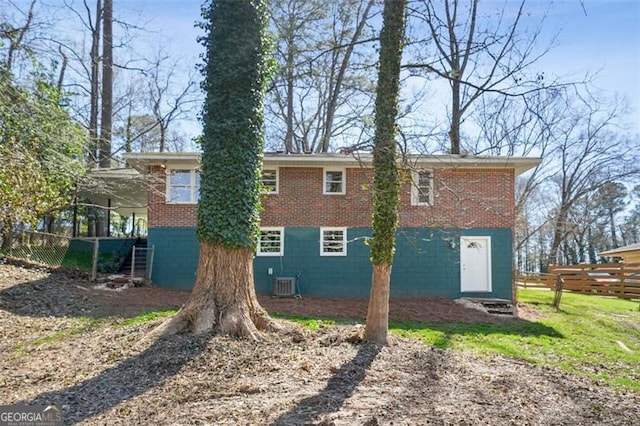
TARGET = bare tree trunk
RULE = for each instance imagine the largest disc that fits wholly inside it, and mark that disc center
(456, 117)
(63, 68)
(558, 235)
(163, 137)
(378, 309)
(6, 234)
(95, 84)
(107, 86)
(288, 138)
(612, 223)
(16, 44)
(339, 79)
(224, 297)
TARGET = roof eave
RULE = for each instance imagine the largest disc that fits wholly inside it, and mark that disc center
(519, 164)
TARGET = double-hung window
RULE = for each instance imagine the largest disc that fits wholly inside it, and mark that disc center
(271, 242)
(270, 180)
(334, 181)
(183, 186)
(422, 188)
(333, 241)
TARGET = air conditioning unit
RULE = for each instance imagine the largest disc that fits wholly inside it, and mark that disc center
(284, 286)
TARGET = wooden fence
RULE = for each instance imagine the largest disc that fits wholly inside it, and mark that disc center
(610, 279)
(534, 280)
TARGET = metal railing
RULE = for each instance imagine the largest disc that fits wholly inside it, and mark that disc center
(142, 263)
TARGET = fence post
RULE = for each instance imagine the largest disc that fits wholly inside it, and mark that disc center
(622, 276)
(133, 263)
(94, 266)
(558, 287)
(153, 250)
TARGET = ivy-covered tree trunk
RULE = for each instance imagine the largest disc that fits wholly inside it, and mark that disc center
(385, 192)
(236, 68)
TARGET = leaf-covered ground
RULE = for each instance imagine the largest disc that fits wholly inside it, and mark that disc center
(64, 342)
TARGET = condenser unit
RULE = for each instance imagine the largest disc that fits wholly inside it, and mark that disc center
(284, 286)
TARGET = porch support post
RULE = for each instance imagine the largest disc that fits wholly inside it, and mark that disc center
(74, 233)
(109, 217)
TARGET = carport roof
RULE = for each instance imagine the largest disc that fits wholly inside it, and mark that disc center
(620, 250)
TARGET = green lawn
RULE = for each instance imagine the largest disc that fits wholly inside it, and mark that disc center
(591, 335)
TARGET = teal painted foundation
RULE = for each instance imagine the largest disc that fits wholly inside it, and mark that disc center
(106, 244)
(427, 263)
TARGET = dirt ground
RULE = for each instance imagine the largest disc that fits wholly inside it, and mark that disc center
(64, 341)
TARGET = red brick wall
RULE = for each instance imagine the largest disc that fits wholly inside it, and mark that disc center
(163, 214)
(476, 198)
(466, 198)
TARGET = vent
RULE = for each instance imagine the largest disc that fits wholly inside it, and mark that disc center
(284, 286)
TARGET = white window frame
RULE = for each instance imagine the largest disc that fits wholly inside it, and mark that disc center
(415, 190)
(343, 182)
(259, 251)
(344, 241)
(277, 186)
(194, 190)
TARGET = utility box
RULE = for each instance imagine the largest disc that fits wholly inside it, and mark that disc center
(284, 286)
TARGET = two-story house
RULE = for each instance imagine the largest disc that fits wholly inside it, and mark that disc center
(455, 235)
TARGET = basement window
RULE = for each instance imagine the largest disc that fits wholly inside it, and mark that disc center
(333, 241)
(271, 242)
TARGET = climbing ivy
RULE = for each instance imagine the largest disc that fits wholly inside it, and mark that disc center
(236, 68)
(385, 193)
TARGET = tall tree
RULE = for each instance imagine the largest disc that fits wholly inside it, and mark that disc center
(323, 85)
(385, 192)
(610, 199)
(588, 154)
(237, 66)
(106, 116)
(476, 54)
(94, 25)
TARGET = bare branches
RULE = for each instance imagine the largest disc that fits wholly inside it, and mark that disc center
(475, 54)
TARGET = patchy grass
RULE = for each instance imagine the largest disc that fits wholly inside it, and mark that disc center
(78, 326)
(592, 336)
(310, 323)
(147, 317)
(78, 259)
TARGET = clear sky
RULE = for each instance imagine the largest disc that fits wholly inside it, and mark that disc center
(596, 37)
(602, 37)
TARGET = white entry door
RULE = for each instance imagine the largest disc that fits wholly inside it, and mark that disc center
(475, 264)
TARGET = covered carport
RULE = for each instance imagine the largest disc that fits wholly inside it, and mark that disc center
(116, 191)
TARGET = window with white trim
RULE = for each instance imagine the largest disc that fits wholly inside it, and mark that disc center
(422, 188)
(270, 180)
(183, 186)
(271, 242)
(334, 181)
(333, 241)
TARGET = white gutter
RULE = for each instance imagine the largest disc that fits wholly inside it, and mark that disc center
(520, 164)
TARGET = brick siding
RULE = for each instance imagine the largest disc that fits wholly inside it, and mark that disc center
(463, 198)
